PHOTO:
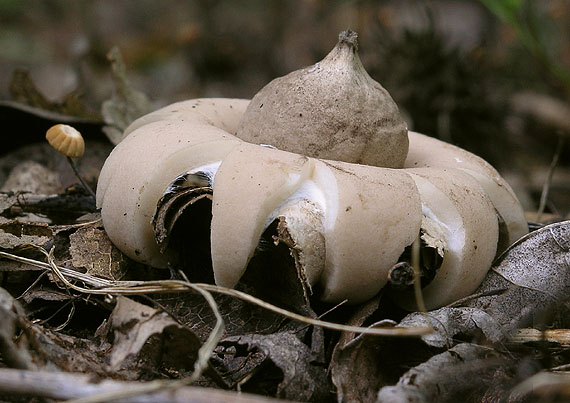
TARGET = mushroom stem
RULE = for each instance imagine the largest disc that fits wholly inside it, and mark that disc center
(78, 175)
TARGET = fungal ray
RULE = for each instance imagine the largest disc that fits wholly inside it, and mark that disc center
(249, 184)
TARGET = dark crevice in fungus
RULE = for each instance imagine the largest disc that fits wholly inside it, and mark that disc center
(272, 271)
(182, 230)
(503, 242)
(401, 275)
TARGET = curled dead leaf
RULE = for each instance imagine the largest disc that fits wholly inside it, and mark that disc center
(535, 271)
(147, 339)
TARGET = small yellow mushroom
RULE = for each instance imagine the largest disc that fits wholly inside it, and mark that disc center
(66, 139)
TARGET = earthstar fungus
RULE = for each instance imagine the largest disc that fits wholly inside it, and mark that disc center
(351, 197)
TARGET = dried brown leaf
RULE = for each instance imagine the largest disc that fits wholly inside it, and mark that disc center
(300, 379)
(16, 235)
(91, 248)
(39, 347)
(360, 366)
(30, 176)
(146, 339)
(365, 364)
(239, 317)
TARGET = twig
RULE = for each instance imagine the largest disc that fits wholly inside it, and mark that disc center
(563, 367)
(341, 303)
(488, 293)
(36, 281)
(62, 386)
(546, 186)
(201, 363)
(61, 308)
(169, 286)
(560, 336)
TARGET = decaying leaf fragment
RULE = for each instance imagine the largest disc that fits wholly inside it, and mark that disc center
(30, 176)
(24, 91)
(91, 249)
(24, 344)
(448, 323)
(362, 365)
(12, 313)
(447, 377)
(146, 339)
(126, 104)
(301, 381)
(535, 271)
(7, 200)
(16, 235)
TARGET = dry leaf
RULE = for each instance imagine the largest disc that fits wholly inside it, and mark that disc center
(450, 323)
(299, 380)
(12, 314)
(16, 235)
(239, 317)
(40, 347)
(361, 366)
(453, 376)
(126, 104)
(367, 363)
(24, 90)
(29, 176)
(536, 273)
(91, 249)
(146, 339)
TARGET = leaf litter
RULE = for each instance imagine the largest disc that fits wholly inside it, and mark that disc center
(98, 313)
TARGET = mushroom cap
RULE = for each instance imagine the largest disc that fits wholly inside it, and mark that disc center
(331, 110)
(66, 140)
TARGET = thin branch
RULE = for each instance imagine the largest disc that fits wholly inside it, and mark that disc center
(63, 386)
(201, 363)
(488, 293)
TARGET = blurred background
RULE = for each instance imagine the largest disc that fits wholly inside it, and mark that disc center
(492, 76)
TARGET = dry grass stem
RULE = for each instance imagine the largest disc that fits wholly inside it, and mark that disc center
(104, 287)
(546, 186)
